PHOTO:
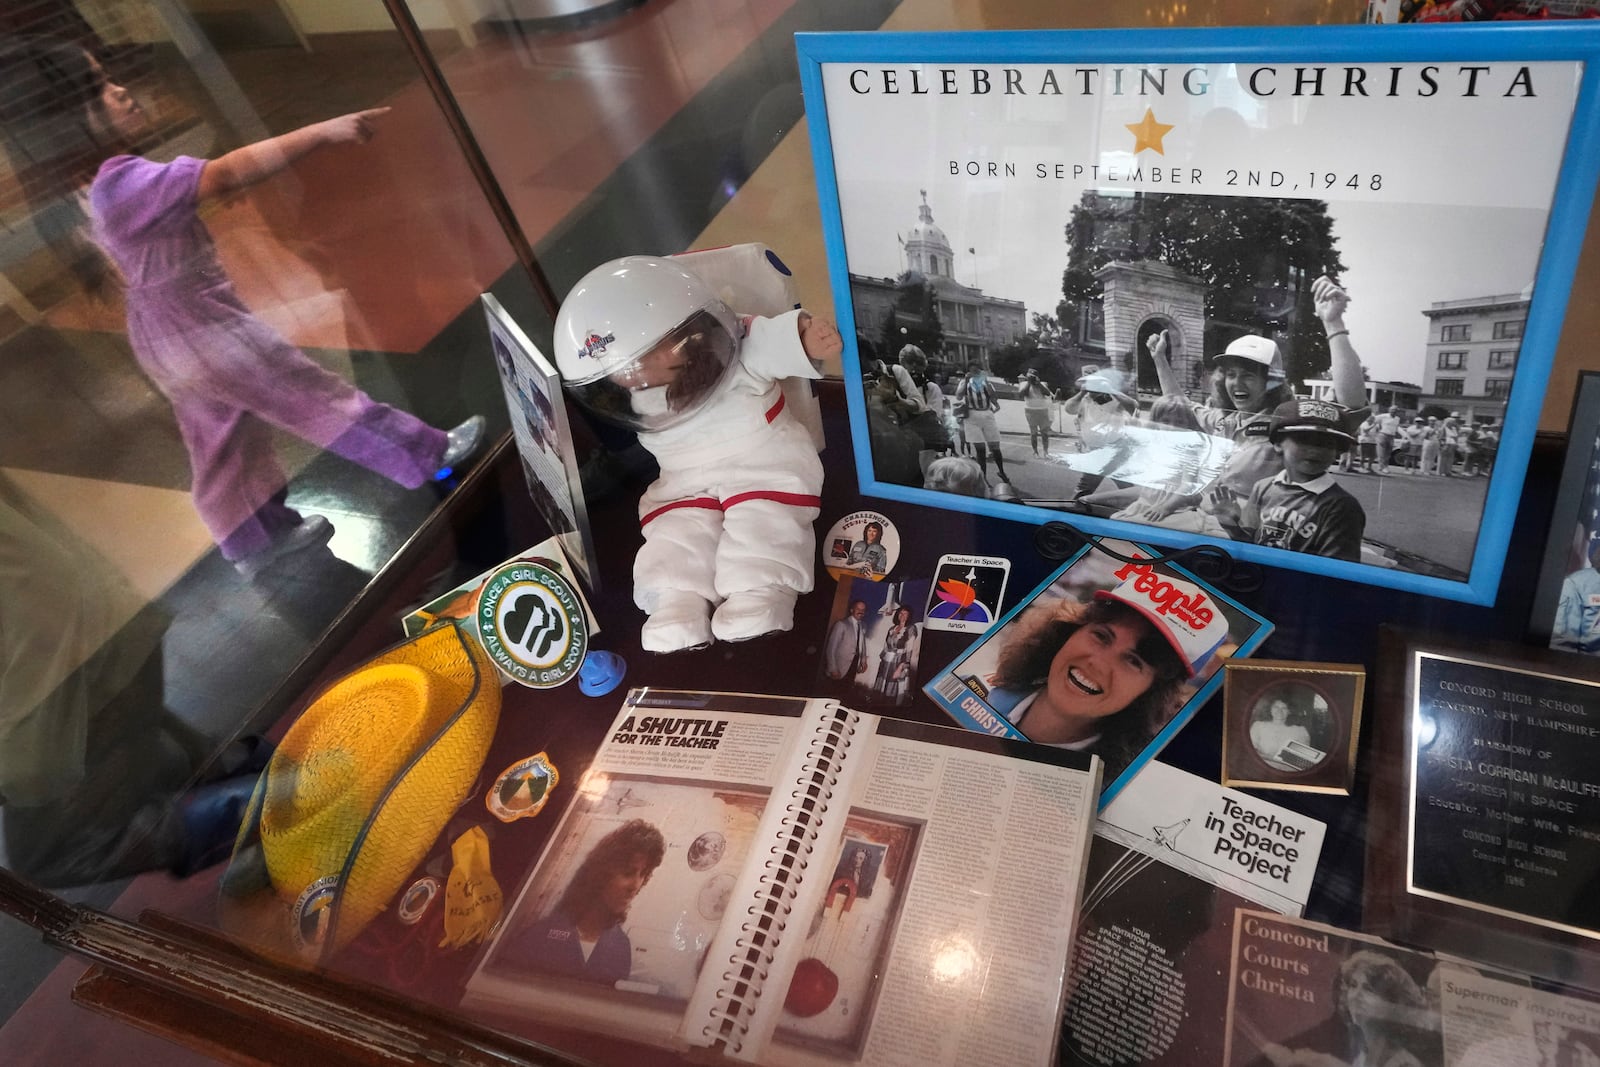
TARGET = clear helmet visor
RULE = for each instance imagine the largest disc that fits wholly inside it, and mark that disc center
(666, 383)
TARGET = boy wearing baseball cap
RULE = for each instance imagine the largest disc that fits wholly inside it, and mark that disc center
(1302, 508)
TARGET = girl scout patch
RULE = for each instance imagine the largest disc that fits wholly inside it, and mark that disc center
(531, 623)
(522, 788)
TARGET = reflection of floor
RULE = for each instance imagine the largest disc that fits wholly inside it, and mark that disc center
(413, 258)
(395, 272)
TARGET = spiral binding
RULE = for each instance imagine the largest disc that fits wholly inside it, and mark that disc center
(762, 931)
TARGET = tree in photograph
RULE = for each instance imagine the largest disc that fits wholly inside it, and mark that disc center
(867, 349)
(1012, 360)
(1257, 257)
(914, 319)
(1051, 361)
(1049, 331)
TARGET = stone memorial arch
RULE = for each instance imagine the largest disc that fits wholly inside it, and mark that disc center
(1143, 297)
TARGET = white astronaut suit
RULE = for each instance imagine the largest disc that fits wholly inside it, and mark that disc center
(728, 537)
(729, 522)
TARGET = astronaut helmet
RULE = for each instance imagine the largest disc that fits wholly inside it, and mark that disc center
(644, 343)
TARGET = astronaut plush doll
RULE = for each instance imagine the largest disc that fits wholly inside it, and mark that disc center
(728, 541)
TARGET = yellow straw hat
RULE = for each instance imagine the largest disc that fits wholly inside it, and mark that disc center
(362, 785)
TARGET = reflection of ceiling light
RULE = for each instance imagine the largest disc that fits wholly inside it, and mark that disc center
(1427, 729)
(954, 961)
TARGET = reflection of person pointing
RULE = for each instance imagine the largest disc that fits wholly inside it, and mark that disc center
(229, 377)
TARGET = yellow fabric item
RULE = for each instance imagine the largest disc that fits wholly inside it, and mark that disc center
(370, 773)
(472, 899)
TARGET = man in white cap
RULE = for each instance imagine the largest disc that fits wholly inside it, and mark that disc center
(1388, 433)
(1449, 444)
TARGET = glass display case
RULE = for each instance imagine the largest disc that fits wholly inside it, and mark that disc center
(259, 420)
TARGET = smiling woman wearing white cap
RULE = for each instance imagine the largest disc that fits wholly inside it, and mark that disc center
(1249, 381)
(1104, 676)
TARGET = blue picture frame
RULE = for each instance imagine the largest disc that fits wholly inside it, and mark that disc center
(914, 119)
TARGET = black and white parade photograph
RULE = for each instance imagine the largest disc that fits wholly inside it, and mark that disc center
(1229, 315)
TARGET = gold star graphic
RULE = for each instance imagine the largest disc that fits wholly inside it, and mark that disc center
(1147, 133)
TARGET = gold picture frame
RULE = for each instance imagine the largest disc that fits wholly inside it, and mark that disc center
(1292, 725)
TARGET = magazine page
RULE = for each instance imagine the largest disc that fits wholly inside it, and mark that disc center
(612, 927)
(940, 930)
(1105, 656)
(1302, 992)
(1153, 944)
(1251, 847)
(1498, 1021)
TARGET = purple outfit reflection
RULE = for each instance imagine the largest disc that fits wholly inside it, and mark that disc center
(228, 374)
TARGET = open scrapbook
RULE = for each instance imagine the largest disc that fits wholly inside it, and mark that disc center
(793, 881)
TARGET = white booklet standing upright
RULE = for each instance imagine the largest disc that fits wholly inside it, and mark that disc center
(793, 882)
(552, 458)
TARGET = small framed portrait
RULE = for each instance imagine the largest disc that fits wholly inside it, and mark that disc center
(1566, 604)
(1291, 725)
(552, 453)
